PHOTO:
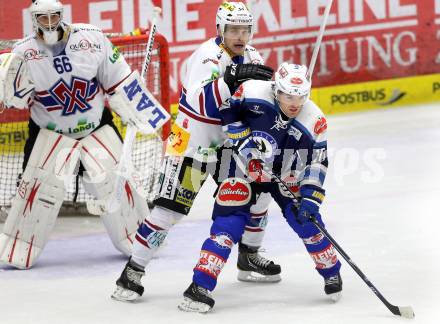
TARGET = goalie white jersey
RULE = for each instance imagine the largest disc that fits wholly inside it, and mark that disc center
(197, 131)
(71, 78)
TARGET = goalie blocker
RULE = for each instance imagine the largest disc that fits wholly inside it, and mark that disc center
(41, 192)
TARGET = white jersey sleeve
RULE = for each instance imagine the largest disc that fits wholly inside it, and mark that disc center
(113, 69)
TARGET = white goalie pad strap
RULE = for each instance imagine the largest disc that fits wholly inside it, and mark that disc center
(100, 154)
(38, 199)
(16, 86)
(137, 106)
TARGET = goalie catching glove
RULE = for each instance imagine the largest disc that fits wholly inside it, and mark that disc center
(236, 74)
(137, 106)
(16, 86)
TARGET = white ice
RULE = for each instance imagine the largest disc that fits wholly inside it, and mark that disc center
(383, 191)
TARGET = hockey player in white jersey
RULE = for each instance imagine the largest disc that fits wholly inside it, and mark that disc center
(63, 72)
(275, 129)
(214, 71)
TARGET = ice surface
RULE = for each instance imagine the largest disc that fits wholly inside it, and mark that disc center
(381, 206)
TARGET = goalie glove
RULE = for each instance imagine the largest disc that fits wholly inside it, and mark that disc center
(137, 106)
(236, 74)
(16, 86)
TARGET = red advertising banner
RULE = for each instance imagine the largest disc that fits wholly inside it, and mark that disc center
(365, 39)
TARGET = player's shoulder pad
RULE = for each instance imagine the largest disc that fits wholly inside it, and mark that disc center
(313, 120)
(85, 27)
(22, 44)
(256, 90)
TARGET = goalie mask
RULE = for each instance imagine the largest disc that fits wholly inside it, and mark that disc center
(47, 18)
(292, 88)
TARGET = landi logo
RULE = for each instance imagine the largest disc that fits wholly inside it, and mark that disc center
(377, 96)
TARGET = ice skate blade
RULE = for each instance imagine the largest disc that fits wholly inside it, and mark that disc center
(189, 305)
(252, 276)
(335, 297)
(124, 295)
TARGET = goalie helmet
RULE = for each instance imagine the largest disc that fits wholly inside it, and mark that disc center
(233, 13)
(292, 79)
(47, 18)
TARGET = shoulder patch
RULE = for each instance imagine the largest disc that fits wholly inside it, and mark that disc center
(320, 125)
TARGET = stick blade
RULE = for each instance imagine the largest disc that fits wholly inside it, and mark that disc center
(406, 311)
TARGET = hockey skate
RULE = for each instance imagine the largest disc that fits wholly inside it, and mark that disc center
(196, 299)
(128, 286)
(252, 267)
(333, 287)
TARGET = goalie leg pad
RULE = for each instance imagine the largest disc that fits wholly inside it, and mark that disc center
(100, 155)
(38, 199)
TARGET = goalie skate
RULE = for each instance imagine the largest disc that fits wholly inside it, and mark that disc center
(252, 267)
(196, 299)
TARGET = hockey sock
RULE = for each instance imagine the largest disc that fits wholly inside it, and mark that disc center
(151, 234)
(254, 230)
(318, 246)
(225, 232)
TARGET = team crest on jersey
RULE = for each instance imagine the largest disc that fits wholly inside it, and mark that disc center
(73, 97)
(266, 144)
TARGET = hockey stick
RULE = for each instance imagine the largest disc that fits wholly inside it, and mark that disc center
(125, 162)
(319, 40)
(404, 311)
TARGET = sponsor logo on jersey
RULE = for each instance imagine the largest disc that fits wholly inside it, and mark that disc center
(222, 240)
(210, 263)
(209, 60)
(256, 110)
(292, 186)
(85, 45)
(73, 97)
(320, 125)
(82, 126)
(295, 132)
(234, 192)
(435, 87)
(33, 54)
(116, 54)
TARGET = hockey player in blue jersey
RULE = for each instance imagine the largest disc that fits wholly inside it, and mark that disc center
(275, 129)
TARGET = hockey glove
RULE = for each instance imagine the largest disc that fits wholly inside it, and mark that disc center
(236, 74)
(312, 198)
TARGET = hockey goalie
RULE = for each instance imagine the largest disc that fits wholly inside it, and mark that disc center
(65, 86)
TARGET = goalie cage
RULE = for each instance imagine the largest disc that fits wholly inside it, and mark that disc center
(147, 150)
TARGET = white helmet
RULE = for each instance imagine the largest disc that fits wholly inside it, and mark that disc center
(233, 13)
(47, 7)
(292, 79)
